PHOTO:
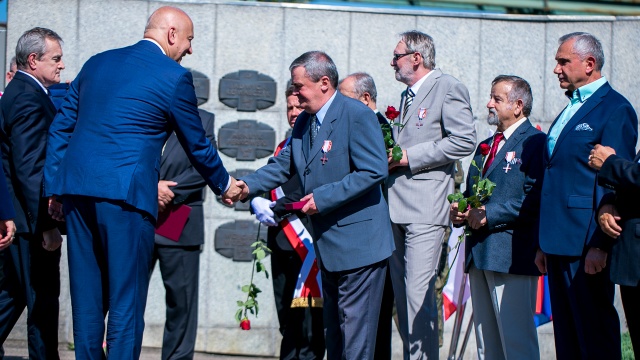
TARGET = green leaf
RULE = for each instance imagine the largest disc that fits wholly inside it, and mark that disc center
(257, 243)
(450, 198)
(240, 303)
(473, 163)
(266, 273)
(396, 153)
(257, 309)
(462, 205)
(256, 290)
(249, 303)
(246, 288)
(260, 254)
(239, 315)
(259, 267)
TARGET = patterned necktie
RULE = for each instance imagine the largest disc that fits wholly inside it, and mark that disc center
(313, 129)
(407, 102)
(494, 150)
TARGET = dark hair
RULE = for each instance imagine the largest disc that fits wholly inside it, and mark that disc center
(520, 89)
(317, 64)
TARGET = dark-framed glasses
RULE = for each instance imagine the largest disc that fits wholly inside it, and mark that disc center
(397, 57)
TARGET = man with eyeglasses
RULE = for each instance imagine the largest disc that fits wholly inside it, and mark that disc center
(436, 129)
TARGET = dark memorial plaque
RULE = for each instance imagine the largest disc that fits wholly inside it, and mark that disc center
(233, 240)
(238, 206)
(247, 90)
(246, 140)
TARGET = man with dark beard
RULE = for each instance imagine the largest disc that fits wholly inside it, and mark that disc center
(500, 253)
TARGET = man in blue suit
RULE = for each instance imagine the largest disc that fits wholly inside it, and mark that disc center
(500, 253)
(573, 250)
(7, 225)
(103, 157)
(337, 152)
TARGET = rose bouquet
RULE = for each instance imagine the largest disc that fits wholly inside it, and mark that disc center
(392, 147)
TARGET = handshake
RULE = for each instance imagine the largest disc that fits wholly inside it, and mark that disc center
(237, 191)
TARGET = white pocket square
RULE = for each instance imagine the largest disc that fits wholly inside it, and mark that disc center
(583, 127)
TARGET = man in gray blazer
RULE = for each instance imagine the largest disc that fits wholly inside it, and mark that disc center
(436, 130)
(501, 250)
(337, 152)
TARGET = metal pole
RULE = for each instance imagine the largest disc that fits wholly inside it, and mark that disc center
(457, 325)
(465, 341)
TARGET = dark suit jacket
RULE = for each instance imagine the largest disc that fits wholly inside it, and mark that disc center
(353, 227)
(175, 166)
(509, 241)
(381, 119)
(570, 195)
(27, 113)
(107, 138)
(6, 204)
(624, 176)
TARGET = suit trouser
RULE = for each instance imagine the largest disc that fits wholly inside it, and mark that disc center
(413, 274)
(301, 327)
(110, 245)
(30, 277)
(503, 314)
(630, 296)
(585, 322)
(385, 321)
(351, 308)
(180, 268)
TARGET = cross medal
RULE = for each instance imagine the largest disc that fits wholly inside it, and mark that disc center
(422, 113)
(326, 146)
(510, 158)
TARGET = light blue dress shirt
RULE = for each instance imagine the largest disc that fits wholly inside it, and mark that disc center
(578, 98)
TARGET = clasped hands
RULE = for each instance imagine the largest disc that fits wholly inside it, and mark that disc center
(475, 217)
(599, 155)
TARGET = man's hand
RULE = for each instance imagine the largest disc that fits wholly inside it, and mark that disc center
(262, 208)
(8, 233)
(541, 261)
(477, 218)
(236, 192)
(456, 216)
(51, 239)
(608, 218)
(595, 261)
(310, 207)
(165, 195)
(599, 155)
(55, 209)
(402, 162)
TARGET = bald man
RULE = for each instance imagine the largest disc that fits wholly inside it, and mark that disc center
(103, 156)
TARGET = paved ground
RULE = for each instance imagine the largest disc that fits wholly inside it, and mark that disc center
(17, 350)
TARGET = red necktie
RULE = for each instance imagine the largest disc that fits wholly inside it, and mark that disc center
(494, 150)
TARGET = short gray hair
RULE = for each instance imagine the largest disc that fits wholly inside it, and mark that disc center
(520, 89)
(12, 63)
(422, 43)
(586, 45)
(317, 64)
(34, 41)
(363, 83)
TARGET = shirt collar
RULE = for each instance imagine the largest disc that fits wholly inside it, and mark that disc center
(157, 44)
(46, 91)
(323, 110)
(582, 93)
(419, 83)
(511, 129)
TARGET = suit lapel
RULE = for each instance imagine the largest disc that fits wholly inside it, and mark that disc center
(422, 94)
(511, 143)
(593, 101)
(172, 142)
(327, 127)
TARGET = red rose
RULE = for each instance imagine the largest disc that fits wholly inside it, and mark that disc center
(485, 149)
(391, 113)
(245, 324)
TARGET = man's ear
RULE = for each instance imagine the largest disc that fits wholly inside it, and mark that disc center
(519, 106)
(366, 98)
(172, 35)
(31, 60)
(325, 83)
(590, 64)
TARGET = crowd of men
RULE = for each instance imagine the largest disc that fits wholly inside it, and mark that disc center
(128, 146)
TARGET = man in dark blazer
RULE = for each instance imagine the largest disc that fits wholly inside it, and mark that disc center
(619, 217)
(31, 265)
(360, 86)
(337, 153)
(181, 184)
(299, 312)
(7, 225)
(585, 321)
(103, 156)
(500, 253)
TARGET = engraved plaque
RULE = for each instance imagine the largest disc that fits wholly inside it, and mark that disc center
(239, 206)
(233, 240)
(247, 90)
(246, 140)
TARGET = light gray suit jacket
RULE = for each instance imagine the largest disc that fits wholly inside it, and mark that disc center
(418, 193)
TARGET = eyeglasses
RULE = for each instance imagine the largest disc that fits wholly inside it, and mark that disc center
(397, 57)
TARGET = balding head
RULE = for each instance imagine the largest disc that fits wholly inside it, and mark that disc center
(172, 29)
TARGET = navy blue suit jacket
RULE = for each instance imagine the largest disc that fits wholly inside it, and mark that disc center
(570, 194)
(27, 112)
(6, 205)
(107, 138)
(352, 228)
(624, 176)
(509, 241)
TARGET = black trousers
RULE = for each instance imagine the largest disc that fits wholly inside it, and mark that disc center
(179, 267)
(630, 296)
(301, 328)
(30, 277)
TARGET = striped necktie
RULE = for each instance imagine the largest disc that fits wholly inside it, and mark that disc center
(407, 102)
